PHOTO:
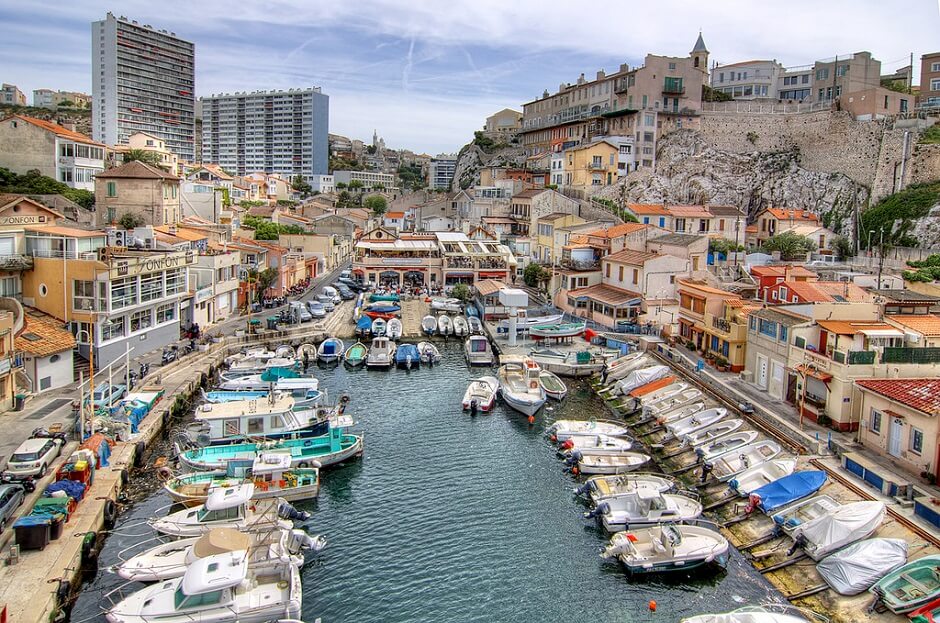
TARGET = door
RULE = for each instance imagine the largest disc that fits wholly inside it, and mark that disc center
(895, 429)
(775, 389)
(762, 372)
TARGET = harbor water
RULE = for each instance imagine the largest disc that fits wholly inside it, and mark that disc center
(455, 518)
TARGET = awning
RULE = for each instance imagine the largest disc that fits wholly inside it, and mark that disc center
(816, 374)
(459, 274)
(359, 271)
(881, 332)
(493, 275)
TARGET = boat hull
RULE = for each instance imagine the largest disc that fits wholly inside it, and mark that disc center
(522, 405)
(197, 463)
(291, 494)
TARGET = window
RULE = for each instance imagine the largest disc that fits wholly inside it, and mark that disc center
(141, 320)
(805, 79)
(620, 275)
(917, 440)
(231, 427)
(255, 425)
(166, 313)
(175, 281)
(67, 150)
(662, 221)
(276, 422)
(112, 330)
(83, 296)
(784, 331)
(875, 424)
(934, 66)
(112, 190)
(151, 287)
(767, 327)
(65, 175)
(648, 137)
(935, 84)
(123, 292)
(841, 70)
(752, 323)
(822, 74)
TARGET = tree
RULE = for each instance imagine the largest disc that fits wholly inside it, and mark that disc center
(354, 185)
(34, 183)
(378, 186)
(711, 95)
(791, 246)
(377, 203)
(842, 247)
(411, 176)
(340, 185)
(533, 275)
(261, 281)
(301, 185)
(461, 291)
(147, 157)
(129, 220)
(723, 246)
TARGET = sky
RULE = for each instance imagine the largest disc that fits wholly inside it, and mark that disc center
(426, 74)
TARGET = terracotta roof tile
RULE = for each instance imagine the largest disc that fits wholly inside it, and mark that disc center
(616, 231)
(787, 214)
(689, 211)
(43, 335)
(920, 394)
(604, 293)
(925, 325)
(701, 286)
(825, 291)
(648, 208)
(852, 327)
(56, 129)
(781, 271)
(629, 256)
(136, 169)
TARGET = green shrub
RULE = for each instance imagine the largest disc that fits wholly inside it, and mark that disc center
(896, 214)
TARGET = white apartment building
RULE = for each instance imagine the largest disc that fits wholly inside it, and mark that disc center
(322, 183)
(368, 178)
(748, 80)
(72, 158)
(441, 171)
(143, 80)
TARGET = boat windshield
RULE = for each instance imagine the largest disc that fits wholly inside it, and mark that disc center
(181, 600)
(221, 514)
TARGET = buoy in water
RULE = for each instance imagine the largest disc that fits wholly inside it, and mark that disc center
(575, 471)
(531, 419)
(652, 605)
(554, 438)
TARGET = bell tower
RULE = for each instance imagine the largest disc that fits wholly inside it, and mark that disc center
(699, 54)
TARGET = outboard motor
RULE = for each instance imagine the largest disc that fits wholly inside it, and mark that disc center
(706, 471)
(798, 542)
(573, 458)
(473, 407)
(286, 511)
(299, 541)
(601, 509)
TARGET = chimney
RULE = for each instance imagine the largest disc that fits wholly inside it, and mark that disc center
(600, 74)
(581, 78)
(624, 67)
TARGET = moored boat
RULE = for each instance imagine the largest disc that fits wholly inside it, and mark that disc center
(795, 515)
(444, 325)
(273, 417)
(475, 324)
(561, 430)
(840, 527)
(760, 475)
(429, 325)
(478, 351)
(914, 585)
(672, 402)
(519, 385)
(450, 305)
(748, 614)
(377, 297)
(618, 368)
(330, 350)
(381, 353)
(644, 507)
(711, 433)
(667, 547)
(364, 326)
(393, 329)
(461, 328)
(429, 353)
(595, 444)
(553, 386)
(587, 463)
(356, 354)
(407, 356)
(557, 330)
(525, 322)
(726, 467)
(695, 422)
(379, 326)
(598, 488)
(230, 507)
(854, 569)
(728, 443)
(786, 490)
(680, 413)
(481, 394)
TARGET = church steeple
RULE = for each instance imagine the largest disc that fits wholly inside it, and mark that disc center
(699, 54)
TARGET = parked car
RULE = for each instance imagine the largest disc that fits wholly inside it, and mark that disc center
(316, 309)
(107, 394)
(352, 284)
(331, 291)
(11, 498)
(346, 274)
(33, 457)
(327, 301)
(344, 292)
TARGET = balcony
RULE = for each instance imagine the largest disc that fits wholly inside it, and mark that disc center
(730, 331)
(597, 166)
(16, 262)
(911, 355)
(673, 89)
(570, 264)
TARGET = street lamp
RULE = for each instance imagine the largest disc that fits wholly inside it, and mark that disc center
(91, 369)
(868, 244)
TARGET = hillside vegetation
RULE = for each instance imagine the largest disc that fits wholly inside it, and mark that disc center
(899, 214)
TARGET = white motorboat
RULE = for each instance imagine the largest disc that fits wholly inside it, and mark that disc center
(805, 510)
(667, 547)
(622, 366)
(680, 413)
(475, 325)
(587, 463)
(478, 351)
(216, 588)
(639, 378)
(696, 421)
(710, 433)
(260, 383)
(429, 353)
(245, 367)
(381, 353)
(258, 354)
(562, 430)
(747, 614)
(481, 394)
(450, 305)
(672, 402)
(598, 488)
(379, 326)
(272, 417)
(169, 559)
(760, 475)
(595, 444)
(664, 393)
(644, 507)
(429, 325)
(554, 387)
(519, 385)
(840, 527)
(525, 322)
(461, 328)
(728, 443)
(231, 507)
(444, 326)
(728, 466)
(330, 350)
(394, 329)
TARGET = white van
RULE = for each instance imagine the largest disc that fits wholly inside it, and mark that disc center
(331, 292)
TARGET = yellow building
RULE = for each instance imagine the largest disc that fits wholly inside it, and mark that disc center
(545, 249)
(714, 320)
(590, 166)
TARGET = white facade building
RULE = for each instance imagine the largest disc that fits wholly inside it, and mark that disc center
(368, 178)
(748, 80)
(322, 183)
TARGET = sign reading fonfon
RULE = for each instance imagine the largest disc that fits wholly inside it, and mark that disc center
(152, 264)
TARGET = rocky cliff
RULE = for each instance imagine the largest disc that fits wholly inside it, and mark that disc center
(689, 171)
(473, 158)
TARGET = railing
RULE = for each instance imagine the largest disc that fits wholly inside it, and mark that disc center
(672, 89)
(16, 262)
(768, 108)
(581, 264)
(911, 355)
(861, 357)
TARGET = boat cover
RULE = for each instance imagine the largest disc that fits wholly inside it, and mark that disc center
(329, 347)
(364, 323)
(271, 375)
(789, 489)
(383, 309)
(844, 525)
(641, 377)
(856, 568)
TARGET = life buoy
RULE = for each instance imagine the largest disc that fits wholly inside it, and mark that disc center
(533, 385)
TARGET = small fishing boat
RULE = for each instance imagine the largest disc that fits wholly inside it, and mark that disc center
(356, 354)
(525, 322)
(914, 585)
(478, 351)
(587, 463)
(273, 417)
(595, 444)
(562, 430)
(330, 350)
(250, 367)
(642, 508)
(429, 325)
(450, 305)
(429, 353)
(231, 507)
(726, 467)
(384, 297)
(379, 310)
(695, 422)
(927, 614)
(381, 353)
(667, 547)
(840, 527)
(681, 413)
(519, 385)
(378, 327)
(786, 490)
(571, 363)
(304, 398)
(216, 588)
(759, 475)
(363, 327)
(557, 330)
(748, 614)
(444, 325)
(260, 381)
(639, 378)
(664, 393)
(672, 403)
(475, 324)
(598, 488)
(393, 329)
(710, 433)
(481, 394)
(795, 515)
(728, 443)
(618, 368)
(407, 356)
(854, 569)
(553, 386)
(461, 328)
(271, 474)
(259, 354)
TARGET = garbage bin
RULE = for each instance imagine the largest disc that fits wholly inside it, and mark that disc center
(33, 532)
(56, 529)
(272, 323)
(19, 401)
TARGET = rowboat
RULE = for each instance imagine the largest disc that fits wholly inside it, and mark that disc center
(695, 422)
(854, 569)
(330, 350)
(356, 354)
(378, 327)
(728, 443)
(595, 444)
(587, 463)
(390, 297)
(364, 326)
(553, 386)
(914, 585)
(840, 527)
(787, 490)
(444, 325)
(393, 328)
(451, 305)
(558, 330)
(711, 433)
(642, 508)
(429, 325)
(481, 394)
(562, 430)
(747, 614)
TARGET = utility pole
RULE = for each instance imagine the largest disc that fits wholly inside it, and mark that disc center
(881, 253)
(910, 76)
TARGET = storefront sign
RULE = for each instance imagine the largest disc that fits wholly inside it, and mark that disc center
(402, 261)
(24, 219)
(151, 264)
(203, 295)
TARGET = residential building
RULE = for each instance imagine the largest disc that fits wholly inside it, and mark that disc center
(727, 222)
(748, 80)
(322, 183)
(271, 187)
(691, 219)
(528, 206)
(46, 351)
(693, 249)
(394, 220)
(278, 132)
(503, 125)
(651, 274)
(929, 96)
(214, 281)
(441, 171)
(291, 266)
(922, 330)
(149, 143)
(604, 304)
(898, 420)
(795, 84)
(146, 191)
(371, 180)
(64, 155)
(814, 291)
(333, 249)
(768, 277)
(11, 360)
(47, 98)
(545, 249)
(335, 225)
(767, 353)
(876, 102)
(588, 167)
(699, 305)
(11, 95)
(834, 78)
(773, 221)
(652, 214)
(143, 80)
